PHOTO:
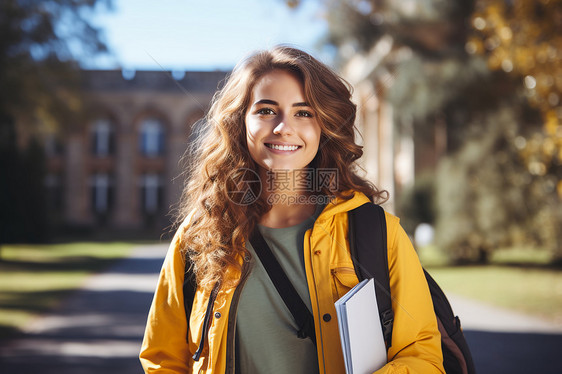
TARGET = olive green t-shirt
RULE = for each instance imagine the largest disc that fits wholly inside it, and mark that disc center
(266, 331)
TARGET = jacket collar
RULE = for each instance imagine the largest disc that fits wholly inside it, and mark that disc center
(342, 205)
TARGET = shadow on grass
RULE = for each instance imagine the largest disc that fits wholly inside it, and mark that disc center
(91, 332)
(71, 263)
(21, 303)
(73, 365)
(25, 303)
(8, 332)
(89, 264)
(36, 302)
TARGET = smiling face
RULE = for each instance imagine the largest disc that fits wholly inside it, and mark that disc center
(282, 130)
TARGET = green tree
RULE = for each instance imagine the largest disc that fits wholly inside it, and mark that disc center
(497, 184)
(39, 89)
(39, 43)
(523, 38)
(486, 198)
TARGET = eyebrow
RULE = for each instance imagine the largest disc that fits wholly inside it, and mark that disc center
(272, 102)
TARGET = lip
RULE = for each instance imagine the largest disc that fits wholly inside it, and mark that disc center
(282, 151)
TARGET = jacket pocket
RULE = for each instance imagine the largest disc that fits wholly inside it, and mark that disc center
(343, 279)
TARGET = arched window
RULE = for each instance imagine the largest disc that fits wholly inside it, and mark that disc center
(54, 192)
(103, 138)
(152, 137)
(151, 193)
(101, 185)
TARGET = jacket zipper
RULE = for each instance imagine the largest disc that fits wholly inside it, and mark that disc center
(206, 320)
(231, 330)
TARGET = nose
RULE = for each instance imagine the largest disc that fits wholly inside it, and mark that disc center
(283, 128)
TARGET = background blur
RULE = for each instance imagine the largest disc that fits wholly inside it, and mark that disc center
(458, 108)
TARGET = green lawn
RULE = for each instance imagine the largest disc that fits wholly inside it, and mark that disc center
(35, 278)
(533, 291)
(519, 279)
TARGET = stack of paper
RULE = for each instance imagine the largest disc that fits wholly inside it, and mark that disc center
(360, 329)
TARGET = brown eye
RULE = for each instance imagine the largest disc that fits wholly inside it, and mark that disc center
(265, 111)
(304, 113)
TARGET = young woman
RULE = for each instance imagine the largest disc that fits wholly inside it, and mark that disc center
(277, 155)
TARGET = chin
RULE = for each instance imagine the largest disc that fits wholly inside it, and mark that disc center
(286, 168)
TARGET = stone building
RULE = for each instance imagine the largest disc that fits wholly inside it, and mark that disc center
(121, 170)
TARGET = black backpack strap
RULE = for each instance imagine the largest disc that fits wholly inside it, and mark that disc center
(368, 247)
(189, 288)
(290, 296)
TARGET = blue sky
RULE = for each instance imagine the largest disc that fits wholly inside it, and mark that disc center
(202, 35)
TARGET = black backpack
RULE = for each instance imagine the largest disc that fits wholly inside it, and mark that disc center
(367, 242)
(367, 239)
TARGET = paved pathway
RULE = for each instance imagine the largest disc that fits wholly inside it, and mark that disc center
(99, 329)
(503, 341)
(483, 317)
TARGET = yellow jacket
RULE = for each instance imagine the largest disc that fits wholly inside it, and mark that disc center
(416, 342)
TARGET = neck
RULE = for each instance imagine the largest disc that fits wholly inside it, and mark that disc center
(288, 200)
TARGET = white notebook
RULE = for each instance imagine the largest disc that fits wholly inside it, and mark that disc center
(360, 329)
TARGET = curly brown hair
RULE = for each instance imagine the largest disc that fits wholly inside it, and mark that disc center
(214, 239)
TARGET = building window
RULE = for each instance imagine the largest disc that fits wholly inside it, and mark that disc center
(152, 138)
(54, 192)
(53, 145)
(101, 193)
(151, 193)
(102, 138)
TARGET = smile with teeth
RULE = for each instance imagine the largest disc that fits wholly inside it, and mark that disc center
(280, 147)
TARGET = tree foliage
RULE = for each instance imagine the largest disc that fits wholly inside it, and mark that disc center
(39, 43)
(491, 70)
(524, 38)
(487, 199)
(23, 215)
(39, 91)
(430, 27)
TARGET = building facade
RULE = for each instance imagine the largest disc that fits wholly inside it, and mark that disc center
(121, 170)
(394, 155)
